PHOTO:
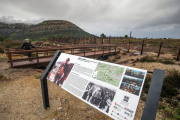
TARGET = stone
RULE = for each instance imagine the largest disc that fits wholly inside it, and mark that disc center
(43, 113)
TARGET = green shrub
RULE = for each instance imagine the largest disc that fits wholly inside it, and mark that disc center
(1, 49)
(146, 59)
(167, 62)
(168, 112)
(151, 42)
(171, 84)
(124, 53)
(38, 76)
(111, 59)
(161, 106)
(13, 43)
(143, 98)
(176, 112)
(3, 77)
(147, 84)
(168, 100)
(118, 57)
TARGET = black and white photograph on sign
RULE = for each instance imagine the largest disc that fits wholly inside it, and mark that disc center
(131, 85)
(135, 73)
(99, 96)
(60, 71)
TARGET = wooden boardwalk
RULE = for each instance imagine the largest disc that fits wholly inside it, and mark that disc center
(39, 61)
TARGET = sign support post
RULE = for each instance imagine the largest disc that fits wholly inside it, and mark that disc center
(44, 86)
(152, 101)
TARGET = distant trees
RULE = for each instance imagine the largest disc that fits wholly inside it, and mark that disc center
(126, 36)
(1, 38)
(13, 36)
(103, 35)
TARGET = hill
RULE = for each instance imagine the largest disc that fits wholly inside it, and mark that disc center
(51, 28)
(8, 29)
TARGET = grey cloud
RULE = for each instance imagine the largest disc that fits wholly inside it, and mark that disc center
(96, 16)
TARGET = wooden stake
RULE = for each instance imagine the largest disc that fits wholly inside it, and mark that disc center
(84, 52)
(159, 50)
(37, 58)
(109, 41)
(128, 46)
(103, 51)
(142, 47)
(10, 59)
(178, 55)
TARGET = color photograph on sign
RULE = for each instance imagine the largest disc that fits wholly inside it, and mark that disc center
(60, 71)
(108, 73)
(135, 73)
(131, 85)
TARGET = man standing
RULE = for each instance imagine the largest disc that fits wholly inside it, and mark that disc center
(65, 65)
(27, 46)
(141, 76)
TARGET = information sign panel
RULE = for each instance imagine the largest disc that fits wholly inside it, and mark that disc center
(112, 89)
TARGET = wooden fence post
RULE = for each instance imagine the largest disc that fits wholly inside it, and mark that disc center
(94, 52)
(115, 49)
(109, 40)
(103, 51)
(142, 47)
(109, 50)
(84, 52)
(178, 55)
(37, 58)
(159, 50)
(128, 46)
(10, 59)
(96, 39)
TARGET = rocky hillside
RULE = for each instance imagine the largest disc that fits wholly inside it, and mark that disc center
(51, 28)
(8, 29)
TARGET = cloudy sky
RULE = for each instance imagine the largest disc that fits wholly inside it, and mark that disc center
(145, 18)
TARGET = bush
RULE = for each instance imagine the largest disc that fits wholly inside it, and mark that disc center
(13, 43)
(151, 42)
(2, 77)
(118, 57)
(124, 53)
(1, 49)
(161, 106)
(147, 84)
(146, 59)
(143, 98)
(176, 112)
(167, 62)
(171, 84)
(38, 76)
(111, 59)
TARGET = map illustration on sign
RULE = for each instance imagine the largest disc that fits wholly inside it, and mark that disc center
(108, 73)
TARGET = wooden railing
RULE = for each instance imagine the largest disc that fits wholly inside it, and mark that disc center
(19, 55)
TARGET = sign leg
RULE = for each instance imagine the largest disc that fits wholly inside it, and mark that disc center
(152, 100)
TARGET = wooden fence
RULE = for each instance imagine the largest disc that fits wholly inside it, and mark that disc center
(42, 56)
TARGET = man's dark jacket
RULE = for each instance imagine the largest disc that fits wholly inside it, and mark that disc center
(27, 46)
